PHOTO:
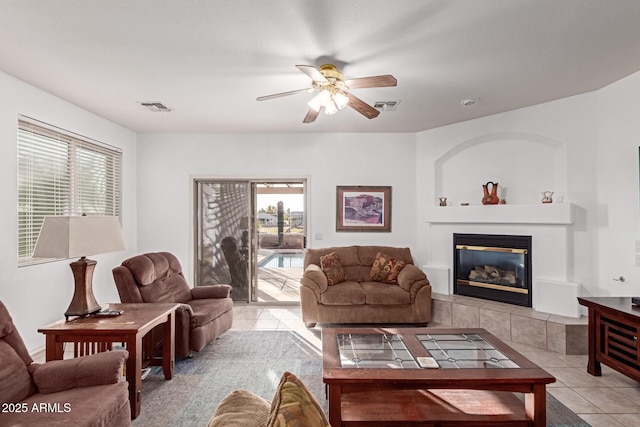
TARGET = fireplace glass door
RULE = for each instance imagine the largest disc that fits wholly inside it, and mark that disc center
(494, 267)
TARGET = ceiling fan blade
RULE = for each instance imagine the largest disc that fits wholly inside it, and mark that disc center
(278, 95)
(373, 81)
(312, 115)
(313, 72)
(362, 107)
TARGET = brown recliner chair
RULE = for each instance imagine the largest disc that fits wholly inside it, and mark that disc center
(205, 313)
(84, 391)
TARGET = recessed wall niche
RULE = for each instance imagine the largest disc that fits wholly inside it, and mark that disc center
(524, 165)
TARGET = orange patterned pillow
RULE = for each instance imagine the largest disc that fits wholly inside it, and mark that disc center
(332, 268)
(385, 269)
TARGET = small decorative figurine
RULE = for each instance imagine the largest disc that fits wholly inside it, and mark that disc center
(443, 201)
(547, 197)
(490, 195)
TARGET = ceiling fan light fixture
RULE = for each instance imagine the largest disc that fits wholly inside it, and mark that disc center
(330, 108)
(341, 100)
(322, 99)
(332, 100)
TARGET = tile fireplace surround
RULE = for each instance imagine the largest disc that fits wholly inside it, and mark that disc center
(559, 334)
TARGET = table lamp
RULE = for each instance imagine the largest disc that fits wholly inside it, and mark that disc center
(80, 236)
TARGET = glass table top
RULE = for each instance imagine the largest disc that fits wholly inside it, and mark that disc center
(464, 351)
(374, 351)
(451, 351)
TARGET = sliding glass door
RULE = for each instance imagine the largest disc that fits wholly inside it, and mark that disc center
(280, 239)
(223, 251)
(251, 234)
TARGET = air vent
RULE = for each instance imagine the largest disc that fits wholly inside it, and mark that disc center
(386, 105)
(156, 107)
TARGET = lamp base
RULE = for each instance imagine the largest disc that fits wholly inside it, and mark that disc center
(83, 302)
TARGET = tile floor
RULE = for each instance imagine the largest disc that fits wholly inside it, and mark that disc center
(611, 400)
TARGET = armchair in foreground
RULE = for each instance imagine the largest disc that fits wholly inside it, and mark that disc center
(206, 312)
(84, 391)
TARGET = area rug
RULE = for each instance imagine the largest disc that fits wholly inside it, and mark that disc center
(255, 361)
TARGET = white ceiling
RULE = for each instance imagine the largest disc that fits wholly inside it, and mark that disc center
(208, 60)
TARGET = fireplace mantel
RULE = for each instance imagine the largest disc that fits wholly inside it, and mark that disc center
(551, 213)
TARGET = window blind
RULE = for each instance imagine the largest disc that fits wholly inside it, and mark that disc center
(61, 173)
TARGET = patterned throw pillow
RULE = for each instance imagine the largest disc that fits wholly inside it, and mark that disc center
(332, 268)
(385, 269)
(294, 406)
(241, 408)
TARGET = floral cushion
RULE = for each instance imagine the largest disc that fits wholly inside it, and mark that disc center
(385, 269)
(294, 406)
(332, 268)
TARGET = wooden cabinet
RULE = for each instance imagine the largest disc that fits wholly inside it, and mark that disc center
(614, 326)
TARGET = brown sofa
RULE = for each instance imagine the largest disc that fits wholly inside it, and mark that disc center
(84, 391)
(205, 313)
(359, 298)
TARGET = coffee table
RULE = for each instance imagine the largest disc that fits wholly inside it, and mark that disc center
(373, 379)
(94, 334)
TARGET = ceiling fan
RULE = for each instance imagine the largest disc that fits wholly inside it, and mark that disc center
(333, 91)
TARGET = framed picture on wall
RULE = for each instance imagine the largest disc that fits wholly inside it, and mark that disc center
(362, 208)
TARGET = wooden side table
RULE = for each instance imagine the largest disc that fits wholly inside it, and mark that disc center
(94, 334)
(614, 327)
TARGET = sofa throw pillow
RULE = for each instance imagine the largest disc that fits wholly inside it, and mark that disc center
(294, 406)
(241, 408)
(385, 269)
(332, 268)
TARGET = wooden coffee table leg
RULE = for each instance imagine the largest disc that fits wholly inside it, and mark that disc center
(535, 405)
(335, 405)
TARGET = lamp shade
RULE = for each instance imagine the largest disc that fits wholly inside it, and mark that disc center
(78, 236)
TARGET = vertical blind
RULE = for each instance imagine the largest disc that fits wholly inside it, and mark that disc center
(61, 173)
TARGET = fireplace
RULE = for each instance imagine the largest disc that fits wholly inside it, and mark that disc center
(493, 267)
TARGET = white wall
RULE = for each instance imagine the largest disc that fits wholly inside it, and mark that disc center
(617, 186)
(167, 164)
(39, 294)
(593, 141)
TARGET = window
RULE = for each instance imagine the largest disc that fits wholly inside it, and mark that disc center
(61, 173)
